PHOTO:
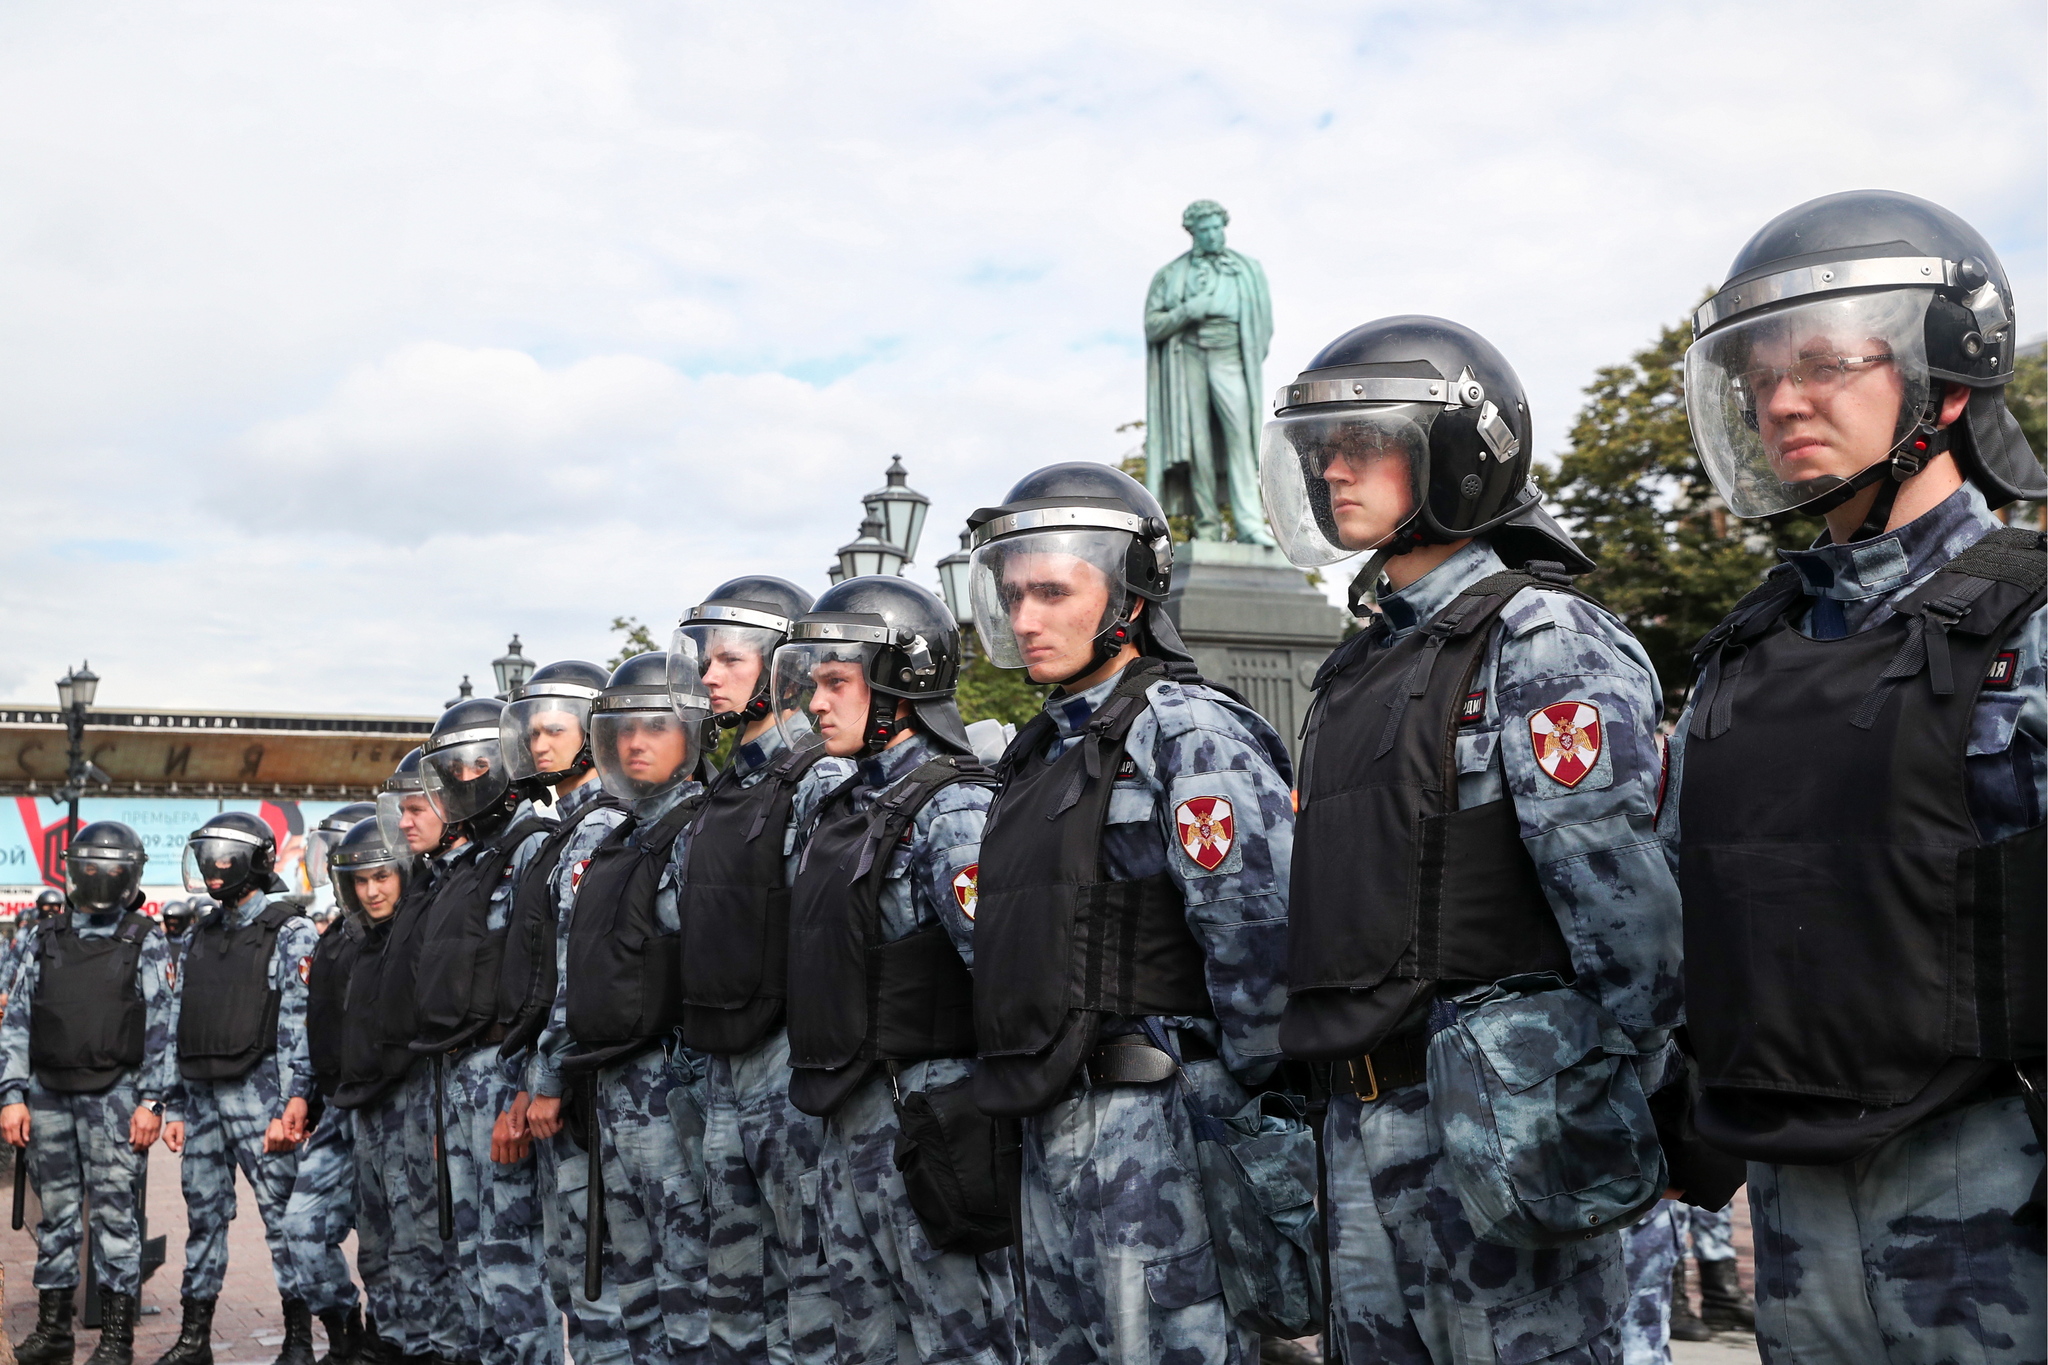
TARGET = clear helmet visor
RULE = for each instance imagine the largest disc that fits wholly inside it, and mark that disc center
(464, 779)
(643, 753)
(224, 862)
(408, 820)
(313, 863)
(542, 735)
(371, 888)
(1343, 482)
(720, 664)
(819, 689)
(1790, 404)
(100, 884)
(1041, 598)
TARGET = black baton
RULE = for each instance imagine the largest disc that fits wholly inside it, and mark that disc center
(444, 1192)
(593, 1209)
(20, 1186)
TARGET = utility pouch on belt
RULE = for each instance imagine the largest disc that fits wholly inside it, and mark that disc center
(960, 1168)
(1547, 1134)
(1259, 1191)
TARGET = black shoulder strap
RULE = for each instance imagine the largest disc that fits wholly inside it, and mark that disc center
(665, 831)
(1462, 618)
(274, 917)
(786, 770)
(1718, 657)
(893, 812)
(134, 927)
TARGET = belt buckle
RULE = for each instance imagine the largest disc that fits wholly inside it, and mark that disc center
(1371, 1077)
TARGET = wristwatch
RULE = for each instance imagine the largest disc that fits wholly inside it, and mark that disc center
(154, 1106)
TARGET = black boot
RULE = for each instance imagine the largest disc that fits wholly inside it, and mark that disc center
(117, 1330)
(298, 1334)
(51, 1343)
(194, 1345)
(344, 1328)
(1723, 1305)
(1685, 1324)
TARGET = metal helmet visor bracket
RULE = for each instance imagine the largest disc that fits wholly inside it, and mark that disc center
(643, 745)
(1039, 593)
(543, 734)
(99, 881)
(463, 773)
(1790, 404)
(723, 661)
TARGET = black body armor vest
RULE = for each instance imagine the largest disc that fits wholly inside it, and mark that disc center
(227, 1017)
(380, 1020)
(735, 908)
(86, 1023)
(461, 958)
(853, 999)
(1060, 946)
(529, 976)
(334, 959)
(625, 970)
(1393, 888)
(1847, 931)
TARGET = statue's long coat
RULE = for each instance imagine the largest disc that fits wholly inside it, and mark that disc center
(1169, 423)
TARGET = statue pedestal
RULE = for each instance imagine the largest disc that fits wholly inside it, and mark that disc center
(1254, 624)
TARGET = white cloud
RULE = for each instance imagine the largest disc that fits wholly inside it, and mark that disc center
(414, 326)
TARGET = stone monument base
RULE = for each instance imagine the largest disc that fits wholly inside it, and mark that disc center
(1255, 624)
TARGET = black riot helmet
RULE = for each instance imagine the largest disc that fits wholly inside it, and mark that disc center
(644, 739)
(49, 903)
(1848, 300)
(103, 867)
(544, 731)
(229, 856)
(462, 769)
(178, 915)
(1408, 431)
(1090, 514)
(327, 832)
(907, 646)
(738, 627)
(370, 872)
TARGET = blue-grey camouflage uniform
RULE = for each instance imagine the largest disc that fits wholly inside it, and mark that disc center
(12, 952)
(1118, 1263)
(767, 1287)
(322, 1210)
(497, 1218)
(1712, 1233)
(1913, 1252)
(1409, 1281)
(649, 1126)
(78, 1144)
(895, 1297)
(1650, 1252)
(225, 1123)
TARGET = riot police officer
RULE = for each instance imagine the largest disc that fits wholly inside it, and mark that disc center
(621, 1004)
(49, 904)
(490, 1204)
(177, 918)
(1479, 773)
(85, 1046)
(767, 1287)
(322, 1210)
(880, 1002)
(245, 1078)
(1142, 806)
(544, 735)
(1858, 791)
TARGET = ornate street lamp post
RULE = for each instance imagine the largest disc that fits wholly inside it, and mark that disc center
(899, 508)
(512, 668)
(75, 692)
(870, 554)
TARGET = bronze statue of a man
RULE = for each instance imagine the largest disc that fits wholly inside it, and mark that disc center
(1208, 322)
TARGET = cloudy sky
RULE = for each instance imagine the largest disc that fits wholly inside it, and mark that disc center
(339, 341)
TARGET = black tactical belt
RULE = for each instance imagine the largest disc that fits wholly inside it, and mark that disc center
(1133, 1061)
(1395, 1063)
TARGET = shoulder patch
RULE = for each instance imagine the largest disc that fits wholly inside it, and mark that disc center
(967, 888)
(1566, 737)
(305, 969)
(1207, 827)
(1473, 710)
(2004, 671)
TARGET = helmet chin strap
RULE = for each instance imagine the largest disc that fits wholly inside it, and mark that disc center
(1108, 645)
(883, 723)
(754, 710)
(1919, 445)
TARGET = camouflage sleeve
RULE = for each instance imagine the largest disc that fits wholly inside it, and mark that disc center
(14, 1068)
(1577, 703)
(945, 860)
(1226, 814)
(544, 1072)
(159, 1070)
(289, 965)
(500, 917)
(825, 776)
(2006, 756)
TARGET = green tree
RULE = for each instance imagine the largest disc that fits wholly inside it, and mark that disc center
(1672, 561)
(991, 693)
(638, 640)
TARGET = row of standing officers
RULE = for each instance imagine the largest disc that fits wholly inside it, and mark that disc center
(881, 1044)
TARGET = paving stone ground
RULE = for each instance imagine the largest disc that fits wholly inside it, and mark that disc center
(247, 1326)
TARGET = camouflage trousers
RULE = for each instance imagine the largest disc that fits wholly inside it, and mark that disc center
(441, 1296)
(322, 1212)
(497, 1220)
(651, 1136)
(1917, 1253)
(895, 1297)
(407, 1270)
(225, 1122)
(597, 1336)
(768, 1291)
(1650, 1251)
(1118, 1264)
(78, 1145)
(1411, 1285)
(1713, 1234)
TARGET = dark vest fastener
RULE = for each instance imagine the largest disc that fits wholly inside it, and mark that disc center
(334, 960)
(461, 957)
(855, 1000)
(380, 1020)
(87, 1020)
(1059, 944)
(227, 1017)
(1394, 888)
(529, 974)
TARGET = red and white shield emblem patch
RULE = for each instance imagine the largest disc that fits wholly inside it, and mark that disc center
(1208, 829)
(1567, 740)
(576, 874)
(305, 969)
(967, 888)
